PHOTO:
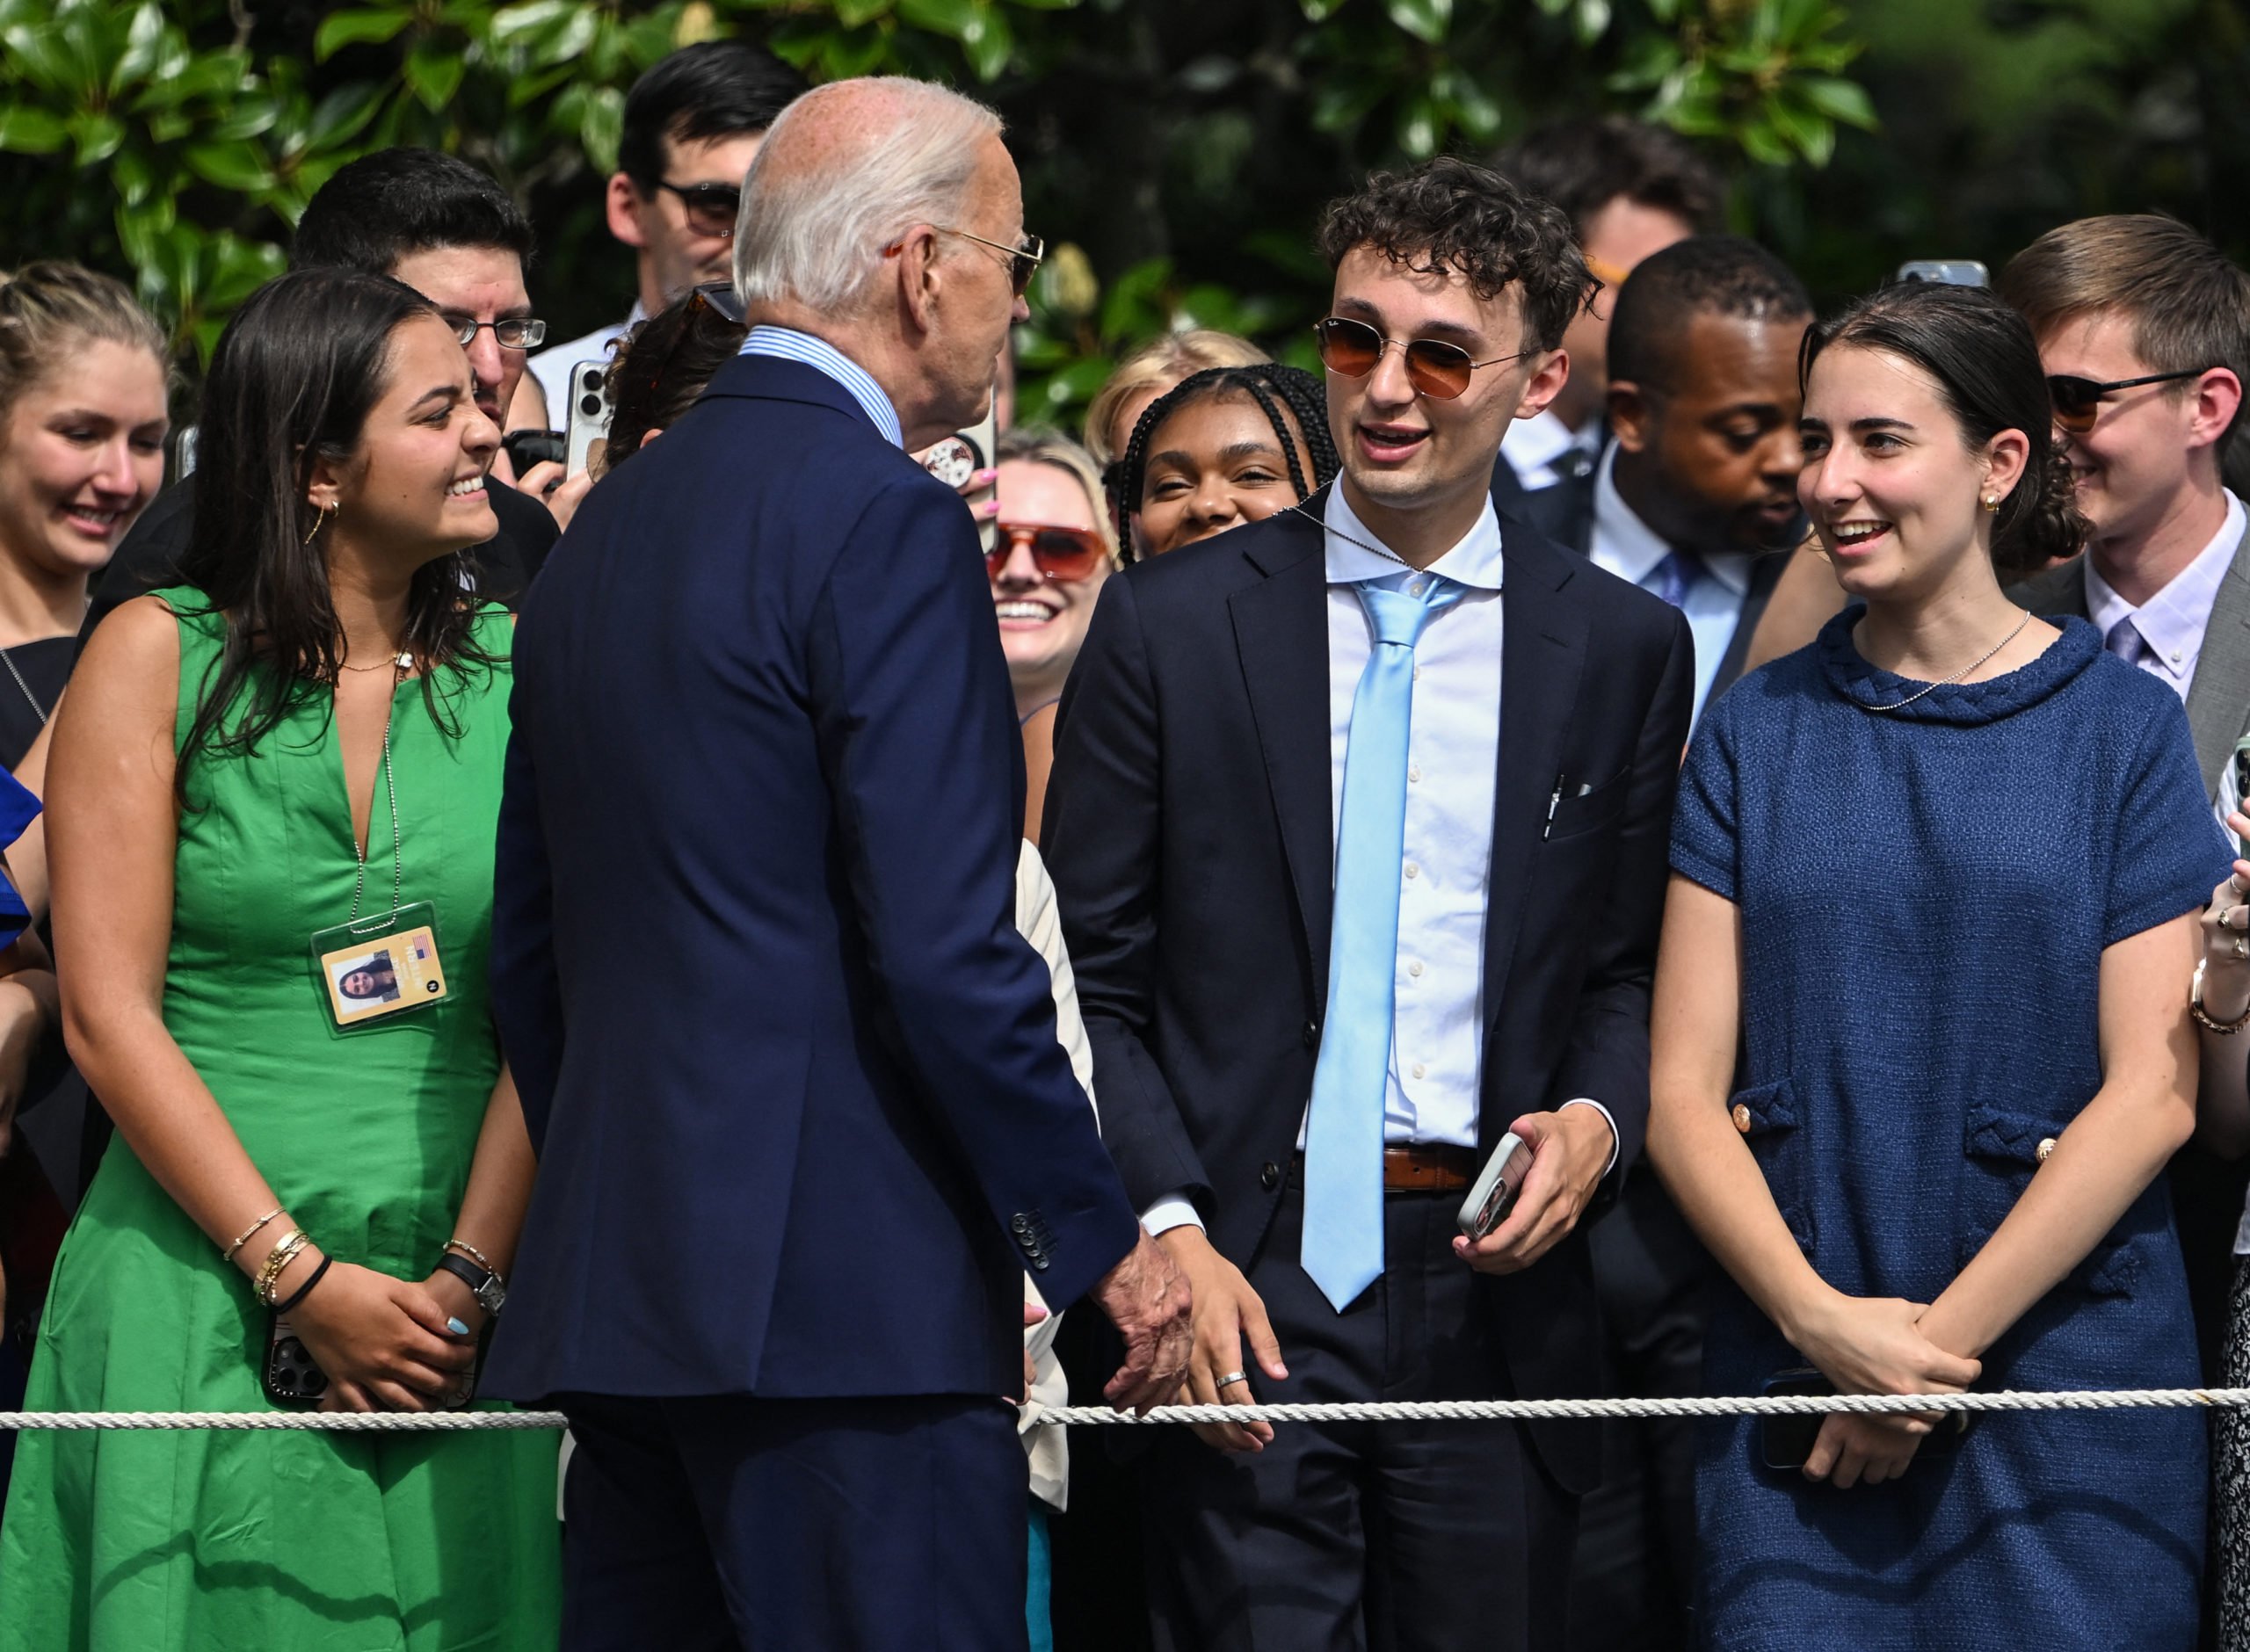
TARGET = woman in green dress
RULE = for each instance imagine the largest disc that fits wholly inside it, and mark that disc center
(283, 776)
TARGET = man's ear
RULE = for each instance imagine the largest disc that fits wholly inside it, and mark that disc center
(622, 205)
(1632, 415)
(1546, 382)
(2215, 397)
(920, 280)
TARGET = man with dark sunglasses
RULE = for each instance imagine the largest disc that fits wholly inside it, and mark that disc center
(2143, 331)
(693, 124)
(1358, 821)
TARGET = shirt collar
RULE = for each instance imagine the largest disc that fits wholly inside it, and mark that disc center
(1474, 560)
(1542, 438)
(2171, 622)
(817, 353)
(1634, 549)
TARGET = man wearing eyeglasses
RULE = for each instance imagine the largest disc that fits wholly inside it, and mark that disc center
(1359, 821)
(1629, 189)
(439, 225)
(2143, 329)
(692, 124)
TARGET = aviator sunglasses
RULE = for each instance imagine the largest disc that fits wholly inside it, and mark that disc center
(2077, 402)
(1433, 367)
(1063, 555)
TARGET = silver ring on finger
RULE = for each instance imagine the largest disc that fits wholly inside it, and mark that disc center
(1231, 1378)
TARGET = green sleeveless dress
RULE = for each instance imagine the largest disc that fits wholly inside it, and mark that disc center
(297, 1543)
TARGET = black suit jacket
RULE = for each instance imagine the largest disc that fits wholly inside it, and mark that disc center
(1188, 829)
(1569, 518)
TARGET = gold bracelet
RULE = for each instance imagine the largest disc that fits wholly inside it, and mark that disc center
(243, 1237)
(2205, 1019)
(473, 1253)
(277, 1261)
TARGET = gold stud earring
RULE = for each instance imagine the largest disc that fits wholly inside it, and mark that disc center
(1992, 504)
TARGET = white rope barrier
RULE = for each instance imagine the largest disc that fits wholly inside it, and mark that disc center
(1102, 1415)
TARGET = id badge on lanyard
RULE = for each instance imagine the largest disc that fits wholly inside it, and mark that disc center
(383, 964)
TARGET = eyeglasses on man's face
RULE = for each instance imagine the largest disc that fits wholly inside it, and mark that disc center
(510, 332)
(1024, 258)
(1351, 349)
(711, 209)
(2077, 402)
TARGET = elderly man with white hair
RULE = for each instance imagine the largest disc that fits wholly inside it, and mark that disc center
(802, 1117)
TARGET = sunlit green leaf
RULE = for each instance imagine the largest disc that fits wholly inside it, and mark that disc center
(372, 27)
(237, 165)
(433, 75)
(1425, 19)
(95, 136)
(28, 130)
(1841, 100)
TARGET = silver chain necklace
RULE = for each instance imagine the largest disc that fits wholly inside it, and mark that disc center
(397, 849)
(7, 659)
(1943, 682)
(1353, 539)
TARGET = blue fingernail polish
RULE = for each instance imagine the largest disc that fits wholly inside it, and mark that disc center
(457, 1328)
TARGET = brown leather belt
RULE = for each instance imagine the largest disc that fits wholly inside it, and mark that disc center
(1428, 1169)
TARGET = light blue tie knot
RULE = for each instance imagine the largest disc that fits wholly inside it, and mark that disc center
(1343, 1146)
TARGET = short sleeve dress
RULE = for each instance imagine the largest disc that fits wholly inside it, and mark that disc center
(144, 1542)
(1925, 894)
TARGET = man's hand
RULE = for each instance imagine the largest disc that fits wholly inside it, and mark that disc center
(1570, 1150)
(1147, 1299)
(560, 492)
(1226, 1313)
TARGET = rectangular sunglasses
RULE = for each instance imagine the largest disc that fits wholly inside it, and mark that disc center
(2077, 402)
(711, 208)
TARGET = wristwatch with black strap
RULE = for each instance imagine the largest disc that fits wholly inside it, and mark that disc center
(491, 1291)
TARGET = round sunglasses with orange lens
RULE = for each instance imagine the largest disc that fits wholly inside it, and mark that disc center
(1351, 349)
(1064, 556)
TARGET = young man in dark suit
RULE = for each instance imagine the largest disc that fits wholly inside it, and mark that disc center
(1696, 498)
(1360, 857)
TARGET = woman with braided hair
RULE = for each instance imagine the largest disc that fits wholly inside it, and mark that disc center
(1227, 446)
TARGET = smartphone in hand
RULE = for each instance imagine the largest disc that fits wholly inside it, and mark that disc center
(1492, 1195)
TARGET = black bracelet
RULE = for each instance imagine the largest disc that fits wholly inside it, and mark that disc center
(305, 1289)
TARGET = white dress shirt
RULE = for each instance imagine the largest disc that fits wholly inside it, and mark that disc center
(1537, 448)
(2166, 636)
(1435, 1093)
(1629, 547)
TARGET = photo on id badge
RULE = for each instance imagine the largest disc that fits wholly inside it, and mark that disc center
(369, 977)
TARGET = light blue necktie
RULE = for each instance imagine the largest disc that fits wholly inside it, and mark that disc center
(1343, 1144)
(1675, 575)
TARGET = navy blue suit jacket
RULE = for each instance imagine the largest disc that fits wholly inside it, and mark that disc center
(802, 1117)
(1190, 832)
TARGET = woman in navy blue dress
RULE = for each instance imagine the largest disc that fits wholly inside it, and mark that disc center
(1936, 879)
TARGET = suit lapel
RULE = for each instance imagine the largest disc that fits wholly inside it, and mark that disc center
(1542, 653)
(1765, 573)
(1280, 630)
(2221, 690)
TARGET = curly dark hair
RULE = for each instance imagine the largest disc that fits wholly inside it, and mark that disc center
(1269, 384)
(1985, 363)
(1449, 214)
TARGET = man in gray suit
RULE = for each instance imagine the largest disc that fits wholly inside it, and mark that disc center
(2144, 333)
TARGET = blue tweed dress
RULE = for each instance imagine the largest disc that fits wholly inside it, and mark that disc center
(1926, 895)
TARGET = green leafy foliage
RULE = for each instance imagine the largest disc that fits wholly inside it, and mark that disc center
(1175, 152)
